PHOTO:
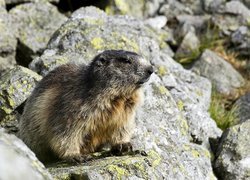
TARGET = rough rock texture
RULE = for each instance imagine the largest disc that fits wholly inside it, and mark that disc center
(241, 40)
(189, 45)
(35, 23)
(243, 107)
(7, 41)
(230, 16)
(167, 119)
(15, 87)
(233, 154)
(18, 161)
(157, 22)
(128, 7)
(173, 8)
(222, 74)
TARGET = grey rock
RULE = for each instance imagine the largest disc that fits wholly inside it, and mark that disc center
(198, 21)
(192, 94)
(233, 155)
(227, 23)
(15, 87)
(35, 23)
(162, 129)
(173, 8)
(128, 7)
(222, 74)
(18, 161)
(237, 8)
(157, 22)
(189, 45)
(2, 3)
(152, 6)
(196, 6)
(8, 41)
(241, 40)
(243, 107)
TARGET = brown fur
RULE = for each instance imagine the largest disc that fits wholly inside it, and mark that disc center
(74, 110)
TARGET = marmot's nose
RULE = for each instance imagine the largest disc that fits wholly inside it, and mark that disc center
(150, 70)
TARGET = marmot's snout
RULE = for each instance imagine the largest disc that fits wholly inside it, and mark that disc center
(146, 75)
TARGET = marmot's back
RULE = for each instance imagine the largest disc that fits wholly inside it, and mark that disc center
(76, 109)
(40, 105)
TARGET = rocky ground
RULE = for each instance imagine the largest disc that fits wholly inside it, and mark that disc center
(193, 46)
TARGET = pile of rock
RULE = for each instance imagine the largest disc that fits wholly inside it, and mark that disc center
(173, 125)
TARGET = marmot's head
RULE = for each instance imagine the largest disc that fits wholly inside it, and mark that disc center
(120, 70)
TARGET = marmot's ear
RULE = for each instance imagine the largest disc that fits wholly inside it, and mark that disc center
(101, 61)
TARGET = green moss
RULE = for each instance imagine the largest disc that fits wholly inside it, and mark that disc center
(162, 71)
(97, 43)
(156, 158)
(6, 110)
(223, 117)
(183, 125)
(162, 90)
(180, 105)
(130, 43)
(117, 170)
(195, 153)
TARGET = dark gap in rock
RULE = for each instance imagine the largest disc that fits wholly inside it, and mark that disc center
(196, 139)
(20, 108)
(72, 5)
(24, 55)
(10, 6)
(83, 176)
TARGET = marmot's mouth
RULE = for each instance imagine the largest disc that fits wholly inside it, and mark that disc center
(144, 80)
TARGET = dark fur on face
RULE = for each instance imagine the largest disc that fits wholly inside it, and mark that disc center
(76, 109)
(116, 69)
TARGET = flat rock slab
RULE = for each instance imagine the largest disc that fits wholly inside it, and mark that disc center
(233, 154)
(35, 23)
(222, 74)
(15, 87)
(18, 161)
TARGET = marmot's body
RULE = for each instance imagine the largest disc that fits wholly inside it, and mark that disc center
(76, 109)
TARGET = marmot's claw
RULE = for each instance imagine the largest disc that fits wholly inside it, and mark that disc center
(120, 149)
(141, 152)
(80, 159)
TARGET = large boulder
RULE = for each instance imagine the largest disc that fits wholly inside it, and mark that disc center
(233, 154)
(15, 87)
(7, 41)
(164, 123)
(18, 161)
(222, 74)
(35, 23)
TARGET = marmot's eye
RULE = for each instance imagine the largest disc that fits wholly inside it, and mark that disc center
(125, 60)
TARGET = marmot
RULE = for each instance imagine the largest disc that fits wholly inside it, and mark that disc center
(75, 109)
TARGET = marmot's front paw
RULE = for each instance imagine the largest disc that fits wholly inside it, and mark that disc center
(80, 159)
(120, 149)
